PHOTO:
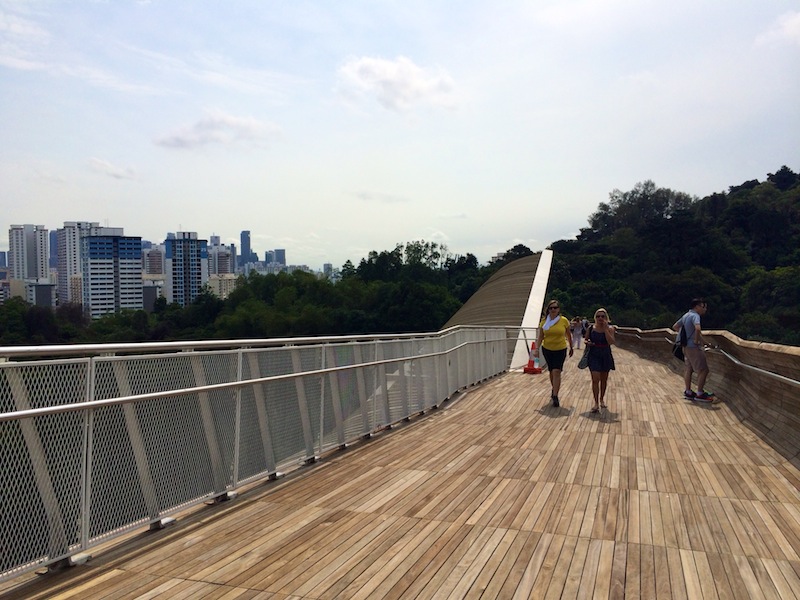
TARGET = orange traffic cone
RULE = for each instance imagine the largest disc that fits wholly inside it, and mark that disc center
(533, 362)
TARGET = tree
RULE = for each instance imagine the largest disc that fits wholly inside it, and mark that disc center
(784, 178)
(13, 329)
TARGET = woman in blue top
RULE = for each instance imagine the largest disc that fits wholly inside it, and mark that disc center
(600, 337)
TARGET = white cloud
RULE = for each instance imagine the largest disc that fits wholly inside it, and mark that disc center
(19, 40)
(220, 128)
(380, 198)
(398, 85)
(105, 167)
(217, 71)
(785, 29)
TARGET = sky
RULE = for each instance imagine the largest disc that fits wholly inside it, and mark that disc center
(333, 129)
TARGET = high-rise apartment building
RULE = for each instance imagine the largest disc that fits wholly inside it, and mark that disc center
(70, 285)
(154, 260)
(186, 267)
(220, 260)
(28, 252)
(244, 238)
(53, 258)
(111, 268)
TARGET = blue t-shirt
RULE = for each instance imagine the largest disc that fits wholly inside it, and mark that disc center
(688, 322)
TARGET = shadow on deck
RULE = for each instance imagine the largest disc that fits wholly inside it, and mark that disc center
(494, 495)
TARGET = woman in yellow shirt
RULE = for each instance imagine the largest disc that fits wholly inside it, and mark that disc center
(554, 338)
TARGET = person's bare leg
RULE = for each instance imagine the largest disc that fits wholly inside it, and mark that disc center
(555, 380)
(701, 380)
(595, 388)
(603, 386)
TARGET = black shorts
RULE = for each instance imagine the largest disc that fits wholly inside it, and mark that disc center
(554, 358)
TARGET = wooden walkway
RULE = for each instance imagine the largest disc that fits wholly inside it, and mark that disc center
(495, 495)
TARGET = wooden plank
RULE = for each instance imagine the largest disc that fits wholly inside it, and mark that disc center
(663, 589)
(677, 577)
(588, 582)
(418, 576)
(490, 567)
(633, 572)
(575, 573)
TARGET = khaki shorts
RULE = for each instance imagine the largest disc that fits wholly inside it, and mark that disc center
(695, 358)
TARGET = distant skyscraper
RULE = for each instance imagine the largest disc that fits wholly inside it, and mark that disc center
(28, 252)
(154, 260)
(220, 260)
(70, 285)
(53, 260)
(213, 240)
(186, 266)
(244, 238)
(3, 259)
(111, 268)
(269, 256)
(280, 256)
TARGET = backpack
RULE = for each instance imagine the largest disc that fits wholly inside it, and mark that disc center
(680, 343)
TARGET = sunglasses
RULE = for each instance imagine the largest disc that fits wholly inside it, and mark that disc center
(552, 307)
(601, 316)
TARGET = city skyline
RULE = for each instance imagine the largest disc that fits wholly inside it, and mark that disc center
(337, 130)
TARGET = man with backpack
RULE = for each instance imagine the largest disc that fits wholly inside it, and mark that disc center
(694, 356)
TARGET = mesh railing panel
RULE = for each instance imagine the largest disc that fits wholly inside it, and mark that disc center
(74, 477)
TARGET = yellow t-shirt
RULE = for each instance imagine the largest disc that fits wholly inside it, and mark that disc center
(554, 338)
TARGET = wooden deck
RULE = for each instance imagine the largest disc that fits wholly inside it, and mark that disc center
(495, 495)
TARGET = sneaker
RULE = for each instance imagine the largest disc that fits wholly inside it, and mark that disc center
(555, 401)
(689, 394)
(705, 396)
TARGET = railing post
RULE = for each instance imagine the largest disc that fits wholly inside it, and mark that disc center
(218, 473)
(86, 458)
(321, 400)
(361, 386)
(336, 399)
(260, 400)
(57, 536)
(237, 434)
(134, 431)
(302, 403)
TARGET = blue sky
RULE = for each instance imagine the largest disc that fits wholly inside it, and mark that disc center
(335, 128)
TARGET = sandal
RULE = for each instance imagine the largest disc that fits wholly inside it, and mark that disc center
(603, 405)
(595, 409)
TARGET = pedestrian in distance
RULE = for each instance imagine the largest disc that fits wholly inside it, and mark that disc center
(694, 357)
(576, 327)
(599, 338)
(554, 338)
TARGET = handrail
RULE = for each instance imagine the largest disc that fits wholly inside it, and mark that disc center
(99, 439)
(714, 348)
(8, 352)
(738, 363)
(91, 404)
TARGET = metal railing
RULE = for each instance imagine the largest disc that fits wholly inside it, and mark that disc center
(664, 335)
(97, 440)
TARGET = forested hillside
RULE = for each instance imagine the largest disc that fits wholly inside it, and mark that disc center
(644, 255)
(648, 251)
